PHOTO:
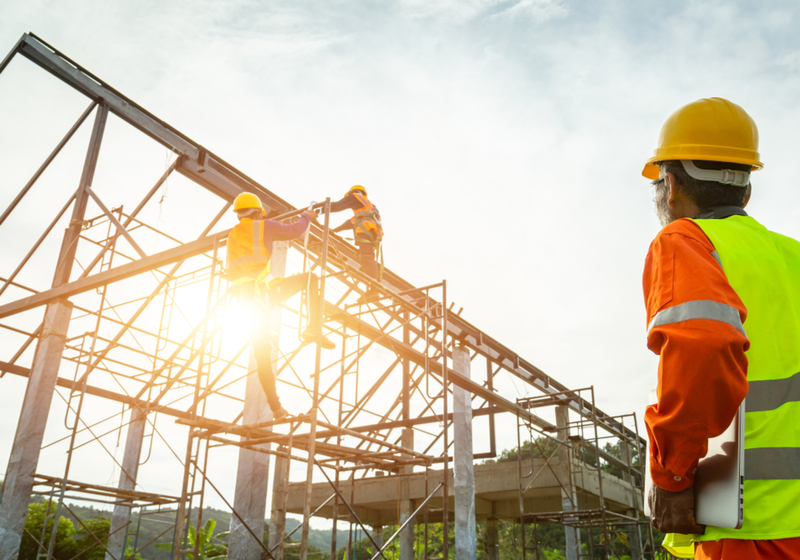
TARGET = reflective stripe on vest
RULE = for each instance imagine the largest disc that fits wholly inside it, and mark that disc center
(764, 269)
(246, 254)
(366, 225)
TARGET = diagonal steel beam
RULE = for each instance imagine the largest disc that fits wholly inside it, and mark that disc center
(170, 256)
(120, 228)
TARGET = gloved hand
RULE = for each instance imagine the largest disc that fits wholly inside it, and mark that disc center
(673, 512)
(311, 215)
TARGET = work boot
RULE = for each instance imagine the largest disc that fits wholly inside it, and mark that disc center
(279, 413)
(310, 335)
(372, 294)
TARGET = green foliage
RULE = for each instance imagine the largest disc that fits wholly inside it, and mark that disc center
(72, 539)
(543, 448)
(209, 546)
(65, 546)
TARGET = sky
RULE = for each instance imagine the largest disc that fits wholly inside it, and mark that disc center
(503, 141)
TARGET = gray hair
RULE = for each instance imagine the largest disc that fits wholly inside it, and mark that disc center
(707, 194)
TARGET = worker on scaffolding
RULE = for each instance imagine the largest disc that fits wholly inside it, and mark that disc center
(723, 311)
(367, 231)
(248, 268)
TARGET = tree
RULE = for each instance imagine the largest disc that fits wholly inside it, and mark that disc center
(543, 448)
(100, 527)
(65, 546)
(209, 546)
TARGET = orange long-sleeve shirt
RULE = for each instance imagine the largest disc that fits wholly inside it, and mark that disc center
(702, 373)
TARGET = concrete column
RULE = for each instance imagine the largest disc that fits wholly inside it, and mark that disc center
(406, 537)
(463, 475)
(406, 504)
(377, 535)
(30, 429)
(492, 540)
(564, 475)
(252, 473)
(277, 524)
(44, 371)
(127, 481)
(634, 535)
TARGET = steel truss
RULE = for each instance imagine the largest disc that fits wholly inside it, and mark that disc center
(127, 327)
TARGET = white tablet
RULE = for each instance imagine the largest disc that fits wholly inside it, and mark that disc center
(719, 482)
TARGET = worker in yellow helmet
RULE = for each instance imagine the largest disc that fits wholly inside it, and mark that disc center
(248, 266)
(723, 312)
(367, 231)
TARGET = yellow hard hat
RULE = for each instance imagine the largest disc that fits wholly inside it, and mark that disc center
(709, 130)
(357, 188)
(246, 201)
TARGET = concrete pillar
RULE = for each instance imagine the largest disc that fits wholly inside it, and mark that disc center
(44, 371)
(127, 481)
(634, 535)
(406, 537)
(492, 540)
(463, 475)
(252, 473)
(564, 475)
(277, 524)
(30, 429)
(377, 535)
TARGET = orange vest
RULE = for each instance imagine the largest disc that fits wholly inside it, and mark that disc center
(367, 226)
(246, 255)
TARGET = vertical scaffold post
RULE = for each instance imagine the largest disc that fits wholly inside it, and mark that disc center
(634, 535)
(463, 472)
(44, 372)
(312, 436)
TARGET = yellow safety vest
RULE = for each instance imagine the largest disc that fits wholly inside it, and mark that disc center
(247, 260)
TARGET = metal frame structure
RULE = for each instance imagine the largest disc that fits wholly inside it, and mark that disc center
(380, 405)
(574, 460)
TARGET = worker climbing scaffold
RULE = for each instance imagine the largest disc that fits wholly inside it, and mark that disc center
(367, 231)
(258, 292)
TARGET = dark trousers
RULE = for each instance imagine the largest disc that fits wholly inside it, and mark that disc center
(366, 258)
(259, 319)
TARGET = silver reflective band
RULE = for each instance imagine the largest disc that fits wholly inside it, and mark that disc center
(772, 393)
(716, 256)
(772, 463)
(699, 309)
(724, 176)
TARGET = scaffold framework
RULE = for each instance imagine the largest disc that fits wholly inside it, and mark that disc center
(138, 342)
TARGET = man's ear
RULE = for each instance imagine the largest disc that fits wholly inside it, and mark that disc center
(674, 188)
(749, 188)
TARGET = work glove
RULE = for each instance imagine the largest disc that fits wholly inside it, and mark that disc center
(674, 512)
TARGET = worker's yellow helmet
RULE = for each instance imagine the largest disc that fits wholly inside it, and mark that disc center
(709, 130)
(246, 201)
(356, 188)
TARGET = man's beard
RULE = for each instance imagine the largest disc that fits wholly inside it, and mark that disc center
(663, 211)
